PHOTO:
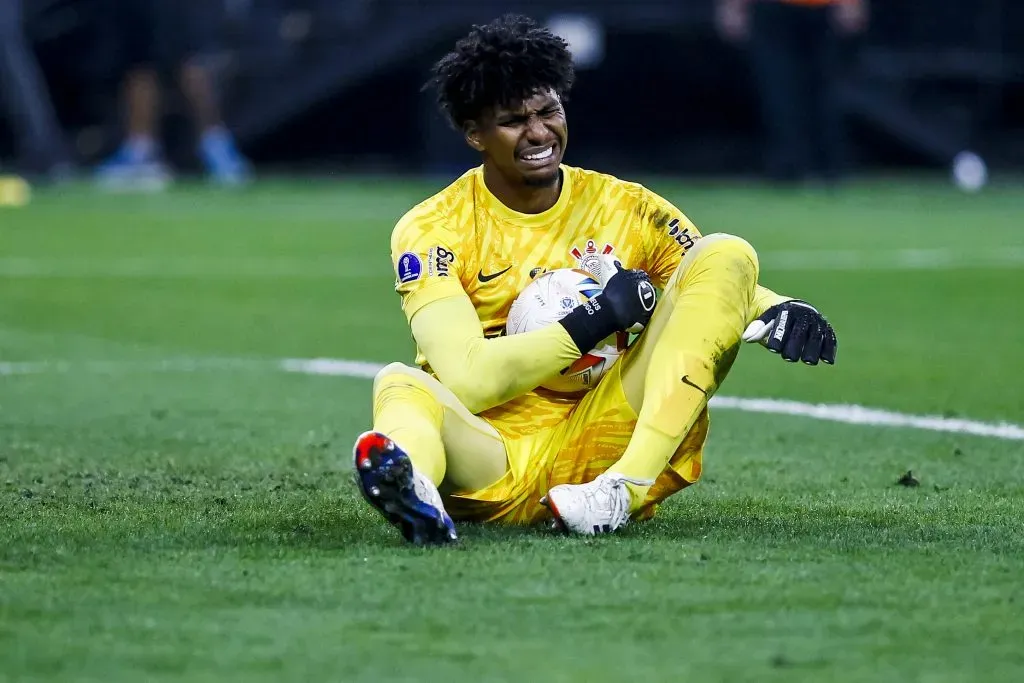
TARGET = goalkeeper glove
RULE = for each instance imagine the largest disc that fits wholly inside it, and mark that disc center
(796, 330)
(626, 303)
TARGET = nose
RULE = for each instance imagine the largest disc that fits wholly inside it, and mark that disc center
(536, 131)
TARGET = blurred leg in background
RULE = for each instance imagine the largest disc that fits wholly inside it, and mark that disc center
(794, 48)
(158, 39)
(828, 148)
(190, 37)
(830, 51)
(783, 71)
(26, 99)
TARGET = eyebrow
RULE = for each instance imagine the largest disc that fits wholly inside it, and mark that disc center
(513, 115)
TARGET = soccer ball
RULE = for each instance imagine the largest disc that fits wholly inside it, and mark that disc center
(547, 300)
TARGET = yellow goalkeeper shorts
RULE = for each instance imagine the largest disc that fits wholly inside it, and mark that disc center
(576, 450)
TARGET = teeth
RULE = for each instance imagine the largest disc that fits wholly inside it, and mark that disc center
(540, 155)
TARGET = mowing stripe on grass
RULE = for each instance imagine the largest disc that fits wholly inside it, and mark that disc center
(936, 258)
(337, 367)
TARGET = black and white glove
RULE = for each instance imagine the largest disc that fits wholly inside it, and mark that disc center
(626, 303)
(796, 330)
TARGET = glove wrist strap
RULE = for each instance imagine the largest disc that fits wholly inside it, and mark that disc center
(589, 323)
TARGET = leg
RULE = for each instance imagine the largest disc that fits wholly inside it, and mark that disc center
(136, 27)
(23, 89)
(666, 380)
(184, 35)
(142, 102)
(457, 450)
(197, 86)
(824, 60)
(777, 63)
(217, 148)
(137, 163)
(424, 437)
(683, 358)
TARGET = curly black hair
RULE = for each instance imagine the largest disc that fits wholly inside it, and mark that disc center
(500, 64)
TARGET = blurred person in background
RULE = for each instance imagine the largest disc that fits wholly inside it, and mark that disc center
(154, 39)
(795, 48)
(26, 99)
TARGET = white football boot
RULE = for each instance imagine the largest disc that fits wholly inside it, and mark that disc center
(598, 507)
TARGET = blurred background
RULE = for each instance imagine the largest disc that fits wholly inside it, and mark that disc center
(791, 90)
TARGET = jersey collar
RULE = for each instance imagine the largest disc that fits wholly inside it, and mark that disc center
(525, 220)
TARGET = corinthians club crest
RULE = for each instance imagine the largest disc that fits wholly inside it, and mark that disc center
(590, 249)
(590, 259)
(593, 260)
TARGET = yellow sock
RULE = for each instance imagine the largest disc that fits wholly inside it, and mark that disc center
(407, 413)
(693, 352)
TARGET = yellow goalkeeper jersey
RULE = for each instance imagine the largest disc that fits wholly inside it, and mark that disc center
(464, 240)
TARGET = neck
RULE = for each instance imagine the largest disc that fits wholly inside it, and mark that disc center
(520, 197)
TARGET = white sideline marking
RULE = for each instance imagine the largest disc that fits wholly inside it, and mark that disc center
(336, 367)
(859, 415)
(937, 258)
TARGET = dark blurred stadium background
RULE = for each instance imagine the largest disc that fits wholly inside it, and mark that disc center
(335, 84)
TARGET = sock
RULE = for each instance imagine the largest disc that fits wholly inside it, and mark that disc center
(408, 414)
(710, 305)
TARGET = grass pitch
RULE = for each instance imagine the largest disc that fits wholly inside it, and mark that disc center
(173, 506)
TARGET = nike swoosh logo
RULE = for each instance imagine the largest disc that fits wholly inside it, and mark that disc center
(487, 278)
(687, 381)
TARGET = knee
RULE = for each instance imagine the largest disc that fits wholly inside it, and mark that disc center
(734, 252)
(393, 373)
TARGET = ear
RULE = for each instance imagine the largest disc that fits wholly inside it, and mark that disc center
(472, 133)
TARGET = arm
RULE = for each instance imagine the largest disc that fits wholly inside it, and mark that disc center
(483, 372)
(764, 299)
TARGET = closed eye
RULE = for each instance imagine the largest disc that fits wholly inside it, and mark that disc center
(547, 112)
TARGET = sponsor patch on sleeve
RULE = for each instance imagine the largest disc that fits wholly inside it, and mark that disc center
(439, 260)
(681, 234)
(410, 267)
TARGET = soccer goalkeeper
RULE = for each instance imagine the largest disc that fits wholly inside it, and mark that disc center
(467, 435)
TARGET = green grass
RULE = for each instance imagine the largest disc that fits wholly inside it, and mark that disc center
(167, 525)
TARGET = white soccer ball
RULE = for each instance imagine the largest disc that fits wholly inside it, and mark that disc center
(547, 300)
